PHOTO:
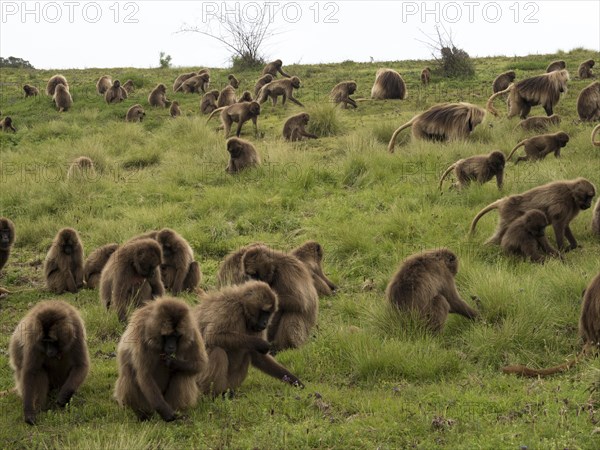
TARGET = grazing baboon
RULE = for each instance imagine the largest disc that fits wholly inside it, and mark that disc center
(129, 87)
(588, 103)
(265, 79)
(181, 78)
(311, 254)
(560, 201)
(81, 168)
(116, 93)
(479, 168)
(160, 356)
(30, 91)
(55, 81)
(175, 110)
(131, 276)
(526, 237)
(595, 131)
(273, 67)
(239, 113)
(388, 85)
(556, 66)
(233, 81)
(92, 268)
(242, 155)
(48, 351)
(537, 147)
(226, 97)
(209, 102)
(135, 114)
(7, 124)
(103, 84)
(246, 97)
(585, 69)
(158, 96)
(542, 90)
(293, 129)
(539, 123)
(442, 122)
(233, 323)
(595, 220)
(341, 93)
(424, 284)
(196, 84)
(503, 80)
(63, 266)
(425, 76)
(7, 239)
(62, 98)
(285, 88)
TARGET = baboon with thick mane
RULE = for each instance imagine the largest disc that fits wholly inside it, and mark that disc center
(537, 147)
(63, 266)
(103, 84)
(479, 168)
(526, 237)
(82, 167)
(341, 93)
(62, 98)
(265, 79)
(116, 93)
(55, 81)
(311, 254)
(502, 81)
(239, 113)
(588, 103)
(294, 128)
(226, 97)
(585, 69)
(95, 262)
(273, 67)
(30, 91)
(209, 102)
(388, 85)
(284, 88)
(556, 66)
(158, 96)
(539, 123)
(6, 124)
(242, 155)
(135, 114)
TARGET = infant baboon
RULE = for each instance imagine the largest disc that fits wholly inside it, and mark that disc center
(116, 93)
(129, 87)
(239, 113)
(48, 351)
(30, 91)
(233, 81)
(503, 80)
(175, 110)
(209, 102)
(341, 93)
(273, 67)
(265, 79)
(388, 85)
(424, 285)
(311, 254)
(526, 237)
(480, 168)
(63, 266)
(556, 66)
(55, 81)
(135, 114)
(595, 220)
(103, 84)
(293, 129)
(242, 155)
(7, 124)
(425, 76)
(595, 131)
(285, 88)
(585, 69)
(538, 147)
(158, 96)
(82, 168)
(7, 239)
(588, 103)
(539, 123)
(92, 268)
(226, 97)
(246, 97)
(62, 98)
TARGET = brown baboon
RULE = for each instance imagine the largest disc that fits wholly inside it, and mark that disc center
(48, 351)
(560, 201)
(311, 254)
(293, 129)
(585, 69)
(233, 81)
(537, 147)
(233, 323)
(7, 124)
(542, 90)
(480, 168)
(388, 85)
(181, 78)
(273, 67)
(555, 66)
(595, 131)
(526, 237)
(503, 80)
(445, 121)
(103, 84)
(226, 97)
(539, 123)
(285, 88)
(265, 79)
(135, 114)
(116, 93)
(81, 168)
(160, 356)
(242, 155)
(209, 102)
(30, 91)
(92, 268)
(588, 103)
(196, 84)
(63, 266)
(246, 97)
(175, 110)
(595, 219)
(424, 284)
(425, 76)
(341, 93)
(239, 113)
(158, 96)
(131, 276)
(62, 98)
(7, 239)
(129, 87)
(55, 81)
(231, 271)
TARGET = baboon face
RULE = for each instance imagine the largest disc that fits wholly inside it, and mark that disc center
(497, 160)
(117, 84)
(305, 118)
(536, 222)
(351, 88)
(258, 265)
(215, 94)
(56, 336)
(8, 121)
(69, 241)
(296, 82)
(583, 193)
(563, 138)
(259, 305)
(511, 75)
(278, 62)
(162, 88)
(146, 260)
(174, 323)
(254, 108)
(168, 242)
(234, 148)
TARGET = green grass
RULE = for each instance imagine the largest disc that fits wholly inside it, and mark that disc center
(374, 379)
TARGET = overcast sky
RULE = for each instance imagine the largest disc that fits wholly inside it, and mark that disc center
(104, 34)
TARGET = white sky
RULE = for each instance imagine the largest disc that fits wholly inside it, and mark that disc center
(85, 34)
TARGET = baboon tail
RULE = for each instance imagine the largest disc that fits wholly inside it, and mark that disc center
(594, 133)
(214, 112)
(483, 212)
(395, 135)
(490, 103)
(448, 170)
(525, 371)
(512, 152)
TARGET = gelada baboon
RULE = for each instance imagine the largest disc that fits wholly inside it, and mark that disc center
(48, 351)
(175, 110)
(158, 96)
(560, 201)
(585, 69)
(246, 97)
(239, 113)
(129, 87)
(537, 147)
(55, 81)
(7, 239)
(116, 93)
(503, 80)
(181, 78)
(526, 237)
(30, 91)
(556, 66)
(103, 84)
(388, 85)
(539, 123)
(542, 90)
(209, 102)
(197, 83)
(588, 103)
(233, 323)
(424, 285)
(233, 81)
(6, 124)
(62, 98)
(479, 168)
(92, 268)
(242, 155)
(273, 67)
(231, 271)
(82, 167)
(131, 276)
(294, 128)
(63, 266)
(285, 88)
(595, 220)
(341, 92)
(311, 254)
(226, 97)
(595, 131)
(589, 332)
(425, 76)
(442, 122)
(135, 114)
(265, 79)
(160, 355)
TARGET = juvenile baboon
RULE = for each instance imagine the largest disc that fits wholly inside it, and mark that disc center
(62, 98)
(542, 90)
(503, 80)
(239, 113)
(92, 268)
(424, 284)
(585, 69)
(595, 131)
(539, 123)
(116, 93)
(103, 84)
(537, 147)
(233, 323)
(82, 168)
(273, 67)
(175, 110)
(209, 102)
(442, 122)
(242, 155)
(131, 276)
(158, 96)
(30, 91)
(425, 76)
(588, 103)
(63, 266)
(595, 219)
(556, 65)
(129, 87)
(479, 168)
(7, 239)
(197, 83)
(285, 88)
(55, 81)
(7, 124)
(388, 85)
(246, 97)
(341, 93)
(233, 81)
(265, 79)
(226, 97)
(135, 114)
(311, 254)
(293, 129)
(526, 237)
(160, 355)
(560, 201)
(48, 351)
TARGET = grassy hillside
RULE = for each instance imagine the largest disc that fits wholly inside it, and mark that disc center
(372, 380)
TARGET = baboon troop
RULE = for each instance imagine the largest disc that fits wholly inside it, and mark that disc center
(526, 237)
(242, 155)
(175, 110)
(209, 102)
(30, 91)
(294, 128)
(555, 66)
(425, 76)
(95, 262)
(63, 266)
(588, 103)
(135, 114)
(239, 113)
(479, 168)
(502, 81)
(585, 69)
(265, 79)
(388, 85)
(6, 124)
(233, 81)
(538, 147)
(539, 123)
(103, 84)
(284, 88)
(7, 239)
(341, 92)
(81, 168)
(55, 81)
(273, 67)
(116, 93)
(62, 98)
(226, 97)
(158, 97)
(311, 254)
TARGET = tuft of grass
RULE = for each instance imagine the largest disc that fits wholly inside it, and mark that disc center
(324, 120)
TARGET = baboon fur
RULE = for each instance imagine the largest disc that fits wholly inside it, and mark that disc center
(63, 266)
(233, 81)
(273, 67)
(195, 84)
(388, 85)
(539, 123)
(6, 124)
(556, 66)
(503, 80)
(135, 114)
(82, 167)
(226, 97)
(242, 155)
(479, 168)
(311, 254)
(294, 128)
(103, 84)
(55, 81)
(175, 110)
(585, 69)
(158, 97)
(588, 103)
(341, 92)
(265, 79)
(526, 237)
(92, 268)
(285, 88)
(129, 87)
(116, 93)
(7, 239)
(30, 91)
(595, 220)
(181, 78)
(425, 76)
(595, 131)
(239, 113)
(537, 147)
(62, 98)
(209, 102)
(246, 97)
